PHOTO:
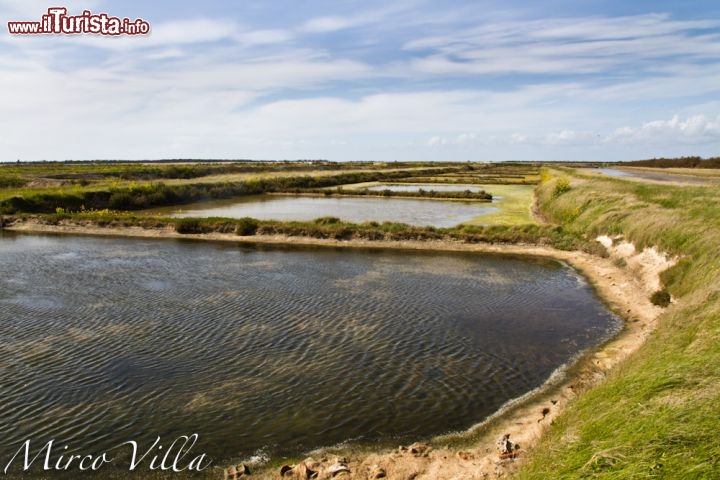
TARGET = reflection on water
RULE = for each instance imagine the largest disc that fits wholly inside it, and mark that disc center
(614, 173)
(109, 340)
(436, 213)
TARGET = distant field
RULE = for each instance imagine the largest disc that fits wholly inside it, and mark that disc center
(54, 178)
(71, 187)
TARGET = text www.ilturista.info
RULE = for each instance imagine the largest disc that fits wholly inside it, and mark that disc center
(58, 22)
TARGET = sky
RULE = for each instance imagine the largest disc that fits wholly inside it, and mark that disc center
(344, 80)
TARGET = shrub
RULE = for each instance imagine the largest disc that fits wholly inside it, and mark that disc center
(189, 225)
(562, 186)
(246, 226)
(661, 298)
(121, 201)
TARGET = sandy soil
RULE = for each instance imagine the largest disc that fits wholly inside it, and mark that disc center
(625, 289)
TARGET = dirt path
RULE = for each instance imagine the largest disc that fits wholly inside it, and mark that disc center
(625, 285)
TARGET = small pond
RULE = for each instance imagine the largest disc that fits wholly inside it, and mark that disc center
(424, 212)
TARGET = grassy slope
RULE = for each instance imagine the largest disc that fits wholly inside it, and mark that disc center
(658, 416)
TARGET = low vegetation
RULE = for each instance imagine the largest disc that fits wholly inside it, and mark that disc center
(658, 415)
(326, 228)
(84, 173)
(661, 298)
(681, 162)
(473, 180)
(424, 192)
(138, 197)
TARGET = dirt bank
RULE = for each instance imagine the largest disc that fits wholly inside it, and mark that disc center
(624, 281)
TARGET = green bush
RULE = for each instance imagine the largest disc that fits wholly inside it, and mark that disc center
(189, 225)
(661, 298)
(121, 201)
(246, 226)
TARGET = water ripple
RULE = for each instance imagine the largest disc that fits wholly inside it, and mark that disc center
(106, 340)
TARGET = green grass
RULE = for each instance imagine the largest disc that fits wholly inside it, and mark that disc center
(141, 195)
(324, 228)
(514, 205)
(658, 415)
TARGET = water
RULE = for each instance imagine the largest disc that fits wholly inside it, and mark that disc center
(614, 172)
(109, 340)
(437, 213)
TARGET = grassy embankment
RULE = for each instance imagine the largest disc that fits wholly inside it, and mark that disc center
(110, 205)
(425, 192)
(658, 415)
(130, 195)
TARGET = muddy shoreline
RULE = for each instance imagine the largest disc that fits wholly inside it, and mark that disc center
(624, 289)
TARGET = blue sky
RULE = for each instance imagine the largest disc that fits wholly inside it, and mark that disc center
(358, 80)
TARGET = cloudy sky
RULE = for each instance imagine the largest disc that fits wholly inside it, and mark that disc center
(354, 80)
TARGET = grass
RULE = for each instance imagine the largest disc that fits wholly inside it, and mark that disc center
(514, 206)
(54, 178)
(658, 415)
(424, 192)
(513, 202)
(324, 228)
(136, 196)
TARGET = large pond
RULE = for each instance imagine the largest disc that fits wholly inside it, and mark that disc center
(436, 213)
(275, 351)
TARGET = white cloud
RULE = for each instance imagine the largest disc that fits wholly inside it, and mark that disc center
(567, 46)
(693, 130)
(460, 140)
(216, 88)
(571, 137)
(696, 129)
(263, 37)
(333, 23)
(165, 34)
(326, 24)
